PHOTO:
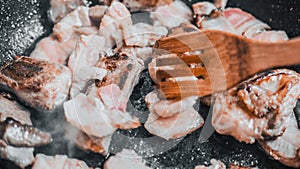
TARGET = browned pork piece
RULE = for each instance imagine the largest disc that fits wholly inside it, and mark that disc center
(124, 160)
(39, 84)
(258, 107)
(123, 70)
(285, 148)
(60, 8)
(17, 136)
(234, 20)
(83, 60)
(168, 118)
(58, 162)
(116, 19)
(171, 15)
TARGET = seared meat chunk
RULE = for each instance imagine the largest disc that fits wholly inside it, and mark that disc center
(96, 13)
(64, 29)
(285, 148)
(58, 162)
(258, 107)
(116, 19)
(39, 84)
(83, 60)
(50, 49)
(172, 119)
(142, 34)
(122, 70)
(22, 156)
(171, 15)
(16, 134)
(60, 8)
(124, 160)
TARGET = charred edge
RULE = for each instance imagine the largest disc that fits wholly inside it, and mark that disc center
(123, 80)
(243, 49)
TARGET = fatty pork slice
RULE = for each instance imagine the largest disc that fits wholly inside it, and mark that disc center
(122, 70)
(271, 36)
(17, 135)
(258, 107)
(50, 49)
(285, 148)
(142, 34)
(124, 160)
(96, 13)
(101, 112)
(171, 15)
(64, 29)
(58, 162)
(83, 60)
(116, 19)
(39, 84)
(209, 17)
(60, 8)
(87, 142)
(168, 119)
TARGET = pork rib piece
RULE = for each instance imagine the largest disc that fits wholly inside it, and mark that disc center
(58, 162)
(39, 84)
(258, 107)
(124, 160)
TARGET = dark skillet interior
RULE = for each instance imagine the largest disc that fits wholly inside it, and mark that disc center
(23, 23)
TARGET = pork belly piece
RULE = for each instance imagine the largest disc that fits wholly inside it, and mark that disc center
(21, 135)
(101, 112)
(124, 160)
(258, 107)
(50, 49)
(142, 34)
(122, 70)
(96, 13)
(17, 136)
(171, 15)
(83, 60)
(209, 17)
(60, 8)
(64, 29)
(285, 148)
(87, 142)
(116, 19)
(271, 36)
(244, 23)
(21, 156)
(215, 164)
(58, 162)
(39, 84)
(12, 109)
(168, 119)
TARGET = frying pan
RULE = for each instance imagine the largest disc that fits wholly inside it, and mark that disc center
(24, 23)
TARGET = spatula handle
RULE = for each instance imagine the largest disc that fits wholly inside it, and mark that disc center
(269, 55)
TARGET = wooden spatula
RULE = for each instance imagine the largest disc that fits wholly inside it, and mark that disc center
(218, 59)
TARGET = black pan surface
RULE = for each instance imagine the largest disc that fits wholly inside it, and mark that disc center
(23, 23)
